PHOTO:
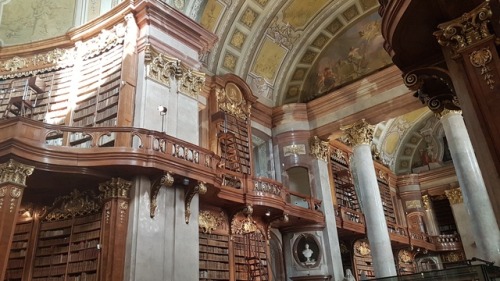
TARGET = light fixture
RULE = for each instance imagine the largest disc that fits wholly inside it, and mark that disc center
(162, 109)
(163, 113)
(268, 213)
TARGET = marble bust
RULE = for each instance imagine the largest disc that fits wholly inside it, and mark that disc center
(307, 253)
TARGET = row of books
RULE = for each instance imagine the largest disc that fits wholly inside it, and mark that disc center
(209, 249)
(214, 265)
(207, 256)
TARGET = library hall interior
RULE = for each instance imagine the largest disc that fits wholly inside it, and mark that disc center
(249, 140)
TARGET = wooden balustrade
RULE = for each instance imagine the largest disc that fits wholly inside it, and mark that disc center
(447, 242)
(398, 233)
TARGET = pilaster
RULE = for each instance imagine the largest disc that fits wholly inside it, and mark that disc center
(115, 193)
(12, 183)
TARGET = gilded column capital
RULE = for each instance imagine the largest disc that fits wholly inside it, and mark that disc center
(454, 196)
(462, 32)
(15, 172)
(358, 133)
(427, 202)
(447, 112)
(319, 148)
(115, 188)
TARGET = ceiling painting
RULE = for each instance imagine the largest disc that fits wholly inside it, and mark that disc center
(355, 53)
(299, 12)
(25, 21)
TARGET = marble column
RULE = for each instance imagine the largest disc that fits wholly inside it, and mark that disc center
(432, 227)
(360, 135)
(12, 183)
(462, 220)
(475, 196)
(322, 188)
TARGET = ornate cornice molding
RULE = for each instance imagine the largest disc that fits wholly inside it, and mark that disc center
(62, 58)
(208, 222)
(230, 99)
(454, 196)
(200, 188)
(76, 203)
(319, 148)
(470, 28)
(15, 172)
(358, 133)
(115, 188)
(162, 68)
(164, 180)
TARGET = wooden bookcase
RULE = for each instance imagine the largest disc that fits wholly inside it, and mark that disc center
(387, 204)
(214, 257)
(68, 249)
(247, 249)
(19, 250)
(234, 142)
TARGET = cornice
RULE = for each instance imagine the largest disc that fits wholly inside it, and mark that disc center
(436, 177)
(262, 114)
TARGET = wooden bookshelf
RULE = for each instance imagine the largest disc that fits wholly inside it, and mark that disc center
(68, 249)
(19, 249)
(387, 204)
(247, 250)
(214, 257)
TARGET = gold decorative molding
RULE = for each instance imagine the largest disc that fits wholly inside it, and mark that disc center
(200, 188)
(75, 204)
(162, 68)
(294, 149)
(413, 204)
(191, 82)
(454, 195)
(319, 148)
(362, 248)
(462, 32)
(62, 58)
(115, 188)
(340, 155)
(426, 201)
(445, 112)
(107, 39)
(405, 256)
(358, 133)
(479, 59)
(231, 100)
(283, 219)
(209, 222)
(164, 180)
(15, 172)
(32, 65)
(246, 225)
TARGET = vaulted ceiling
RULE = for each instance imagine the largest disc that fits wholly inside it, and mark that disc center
(293, 50)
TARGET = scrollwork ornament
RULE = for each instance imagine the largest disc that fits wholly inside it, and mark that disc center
(3, 191)
(319, 148)
(15, 192)
(462, 32)
(230, 100)
(480, 59)
(358, 133)
(209, 222)
(200, 188)
(15, 172)
(454, 196)
(164, 180)
(115, 188)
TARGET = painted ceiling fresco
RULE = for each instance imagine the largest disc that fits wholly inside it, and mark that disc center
(24, 21)
(355, 53)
